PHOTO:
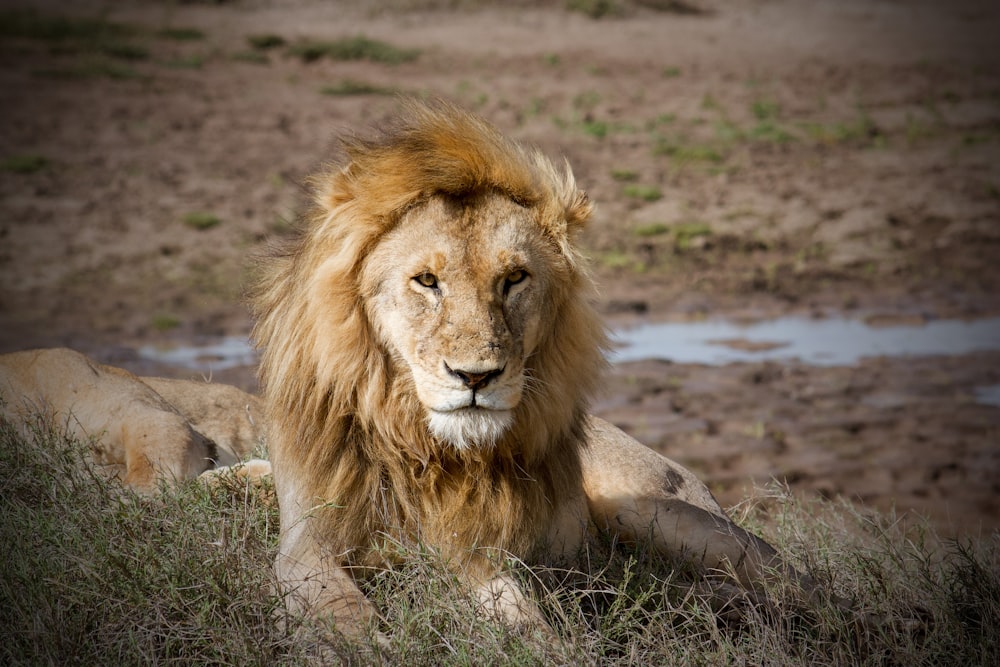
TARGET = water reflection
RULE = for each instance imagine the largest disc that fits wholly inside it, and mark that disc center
(229, 352)
(820, 342)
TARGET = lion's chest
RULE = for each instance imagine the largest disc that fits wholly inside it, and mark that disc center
(501, 509)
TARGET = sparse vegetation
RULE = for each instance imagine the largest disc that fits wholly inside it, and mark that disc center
(595, 9)
(24, 164)
(201, 220)
(96, 574)
(683, 151)
(648, 193)
(651, 229)
(690, 234)
(32, 25)
(352, 87)
(625, 175)
(165, 322)
(192, 61)
(266, 41)
(252, 57)
(181, 34)
(352, 48)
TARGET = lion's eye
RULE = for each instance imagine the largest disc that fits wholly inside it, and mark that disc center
(514, 277)
(426, 279)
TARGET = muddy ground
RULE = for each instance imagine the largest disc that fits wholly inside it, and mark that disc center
(748, 159)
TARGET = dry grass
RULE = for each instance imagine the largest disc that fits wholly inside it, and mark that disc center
(93, 574)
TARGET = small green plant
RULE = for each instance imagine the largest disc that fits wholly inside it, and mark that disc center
(765, 109)
(201, 220)
(709, 103)
(861, 131)
(768, 131)
(587, 100)
(552, 59)
(651, 229)
(616, 259)
(24, 164)
(165, 322)
(252, 57)
(353, 48)
(29, 24)
(625, 175)
(689, 234)
(595, 9)
(644, 192)
(181, 34)
(595, 128)
(682, 152)
(671, 72)
(193, 61)
(124, 50)
(265, 41)
(349, 87)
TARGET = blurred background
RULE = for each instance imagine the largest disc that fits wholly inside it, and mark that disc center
(797, 233)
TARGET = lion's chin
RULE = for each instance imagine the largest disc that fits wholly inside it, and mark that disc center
(470, 428)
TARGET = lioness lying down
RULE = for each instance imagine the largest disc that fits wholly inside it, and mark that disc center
(429, 350)
(151, 429)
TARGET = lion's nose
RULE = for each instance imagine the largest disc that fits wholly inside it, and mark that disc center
(474, 380)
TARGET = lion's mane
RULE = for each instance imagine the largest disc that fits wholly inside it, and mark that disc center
(348, 434)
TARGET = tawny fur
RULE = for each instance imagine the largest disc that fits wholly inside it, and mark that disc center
(144, 430)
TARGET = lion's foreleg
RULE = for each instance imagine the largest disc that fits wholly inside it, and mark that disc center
(324, 591)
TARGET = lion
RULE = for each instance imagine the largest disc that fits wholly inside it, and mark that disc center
(145, 430)
(429, 349)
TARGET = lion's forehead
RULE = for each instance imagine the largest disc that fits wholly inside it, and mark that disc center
(478, 243)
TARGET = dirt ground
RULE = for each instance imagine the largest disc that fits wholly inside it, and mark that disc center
(748, 160)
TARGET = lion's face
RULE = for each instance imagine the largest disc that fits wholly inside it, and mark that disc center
(455, 294)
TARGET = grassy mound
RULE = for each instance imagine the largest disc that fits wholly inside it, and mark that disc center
(94, 574)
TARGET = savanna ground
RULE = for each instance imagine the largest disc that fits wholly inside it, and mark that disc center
(748, 160)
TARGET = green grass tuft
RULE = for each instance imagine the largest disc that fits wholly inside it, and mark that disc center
(625, 175)
(29, 24)
(181, 34)
(24, 164)
(353, 48)
(651, 229)
(166, 322)
(688, 234)
(201, 220)
(349, 87)
(595, 9)
(648, 193)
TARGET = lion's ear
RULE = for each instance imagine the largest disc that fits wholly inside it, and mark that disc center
(578, 211)
(577, 206)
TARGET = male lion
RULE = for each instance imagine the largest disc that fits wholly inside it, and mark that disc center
(153, 429)
(429, 348)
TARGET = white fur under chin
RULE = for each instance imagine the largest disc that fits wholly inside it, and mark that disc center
(470, 428)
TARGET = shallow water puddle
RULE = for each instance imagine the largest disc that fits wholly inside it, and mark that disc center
(819, 342)
(988, 395)
(228, 352)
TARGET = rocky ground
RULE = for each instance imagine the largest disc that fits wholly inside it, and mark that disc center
(748, 159)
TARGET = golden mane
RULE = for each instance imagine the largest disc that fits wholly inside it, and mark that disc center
(346, 426)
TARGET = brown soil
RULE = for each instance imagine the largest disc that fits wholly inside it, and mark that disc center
(748, 159)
